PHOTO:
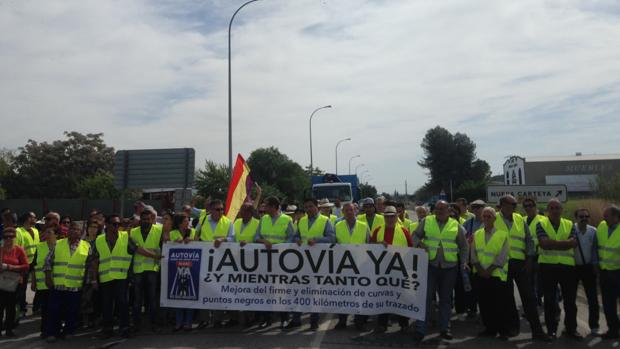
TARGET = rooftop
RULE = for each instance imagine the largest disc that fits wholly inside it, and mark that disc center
(576, 157)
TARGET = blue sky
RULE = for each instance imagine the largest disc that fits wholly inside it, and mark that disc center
(524, 77)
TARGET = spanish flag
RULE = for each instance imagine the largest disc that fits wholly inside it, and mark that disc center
(239, 189)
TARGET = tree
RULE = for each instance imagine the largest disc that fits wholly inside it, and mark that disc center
(213, 180)
(451, 159)
(6, 163)
(54, 170)
(269, 166)
(609, 187)
(367, 191)
(99, 186)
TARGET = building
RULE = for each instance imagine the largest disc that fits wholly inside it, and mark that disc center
(578, 172)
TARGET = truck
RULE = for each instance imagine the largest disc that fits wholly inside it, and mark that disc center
(332, 187)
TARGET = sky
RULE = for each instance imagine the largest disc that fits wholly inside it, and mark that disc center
(528, 77)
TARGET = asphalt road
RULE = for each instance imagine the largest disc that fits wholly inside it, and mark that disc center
(464, 333)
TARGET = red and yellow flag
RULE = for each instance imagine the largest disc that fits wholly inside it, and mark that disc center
(239, 189)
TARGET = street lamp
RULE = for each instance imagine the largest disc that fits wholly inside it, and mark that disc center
(353, 157)
(358, 166)
(337, 144)
(230, 156)
(311, 115)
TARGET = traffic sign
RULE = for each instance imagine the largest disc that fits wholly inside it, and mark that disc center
(540, 193)
(154, 168)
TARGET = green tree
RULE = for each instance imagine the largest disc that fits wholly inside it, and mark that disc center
(270, 166)
(367, 191)
(609, 188)
(98, 186)
(213, 180)
(6, 163)
(451, 158)
(55, 169)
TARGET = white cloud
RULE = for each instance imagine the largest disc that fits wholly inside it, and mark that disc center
(528, 77)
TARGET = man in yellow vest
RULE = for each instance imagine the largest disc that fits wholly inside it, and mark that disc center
(246, 225)
(532, 217)
(557, 238)
(392, 234)
(608, 240)
(489, 256)
(274, 228)
(28, 238)
(522, 254)
(444, 239)
(326, 210)
(67, 267)
(313, 228)
(113, 254)
(402, 218)
(148, 239)
(48, 238)
(370, 215)
(217, 228)
(380, 205)
(351, 231)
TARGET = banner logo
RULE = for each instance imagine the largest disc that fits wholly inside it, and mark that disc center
(184, 273)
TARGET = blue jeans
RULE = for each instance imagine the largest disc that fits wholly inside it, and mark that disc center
(145, 281)
(441, 281)
(184, 317)
(63, 306)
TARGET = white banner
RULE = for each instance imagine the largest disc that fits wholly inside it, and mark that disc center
(343, 279)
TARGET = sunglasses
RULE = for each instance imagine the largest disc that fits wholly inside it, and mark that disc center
(115, 224)
(476, 207)
(218, 209)
(584, 217)
(48, 218)
(528, 206)
(66, 222)
(9, 236)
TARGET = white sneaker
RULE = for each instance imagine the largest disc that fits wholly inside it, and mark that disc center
(461, 317)
(595, 331)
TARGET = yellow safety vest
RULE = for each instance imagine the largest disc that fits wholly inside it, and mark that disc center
(140, 262)
(248, 232)
(413, 226)
(357, 237)
(28, 242)
(113, 265)
(565, 257)
(332, 218)
(517, 234)
(176, 234)
(608, 247)
(533, 230)
(399, 239)
(221, 229)
(68, 269)
(275, 233)
(446, 238)
(488, 251)
(43, 251)
(378, 221)
(315, 231)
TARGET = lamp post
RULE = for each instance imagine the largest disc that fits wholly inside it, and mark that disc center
(311, 115)
(337, 144)
(353, 157)
(230, 156)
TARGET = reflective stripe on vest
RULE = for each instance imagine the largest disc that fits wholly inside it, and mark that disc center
(446, 238)
(608, 247)
(399, 238)
(43, 251)
(28, 242)
(221, 229)
(68, 269)
(248, 232)
(113, 265)
(275, 233)
(565, 257)
(153, 238)
(517, 234)
(358, 236)
(313, 232)
(488, 251)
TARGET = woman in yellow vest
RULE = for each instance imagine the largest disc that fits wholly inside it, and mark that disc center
(28, 239)
(489, 256)
(48, 242)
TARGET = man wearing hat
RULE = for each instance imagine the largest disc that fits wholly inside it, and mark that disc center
(394, 234)
(326, 210)
(370, 215)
